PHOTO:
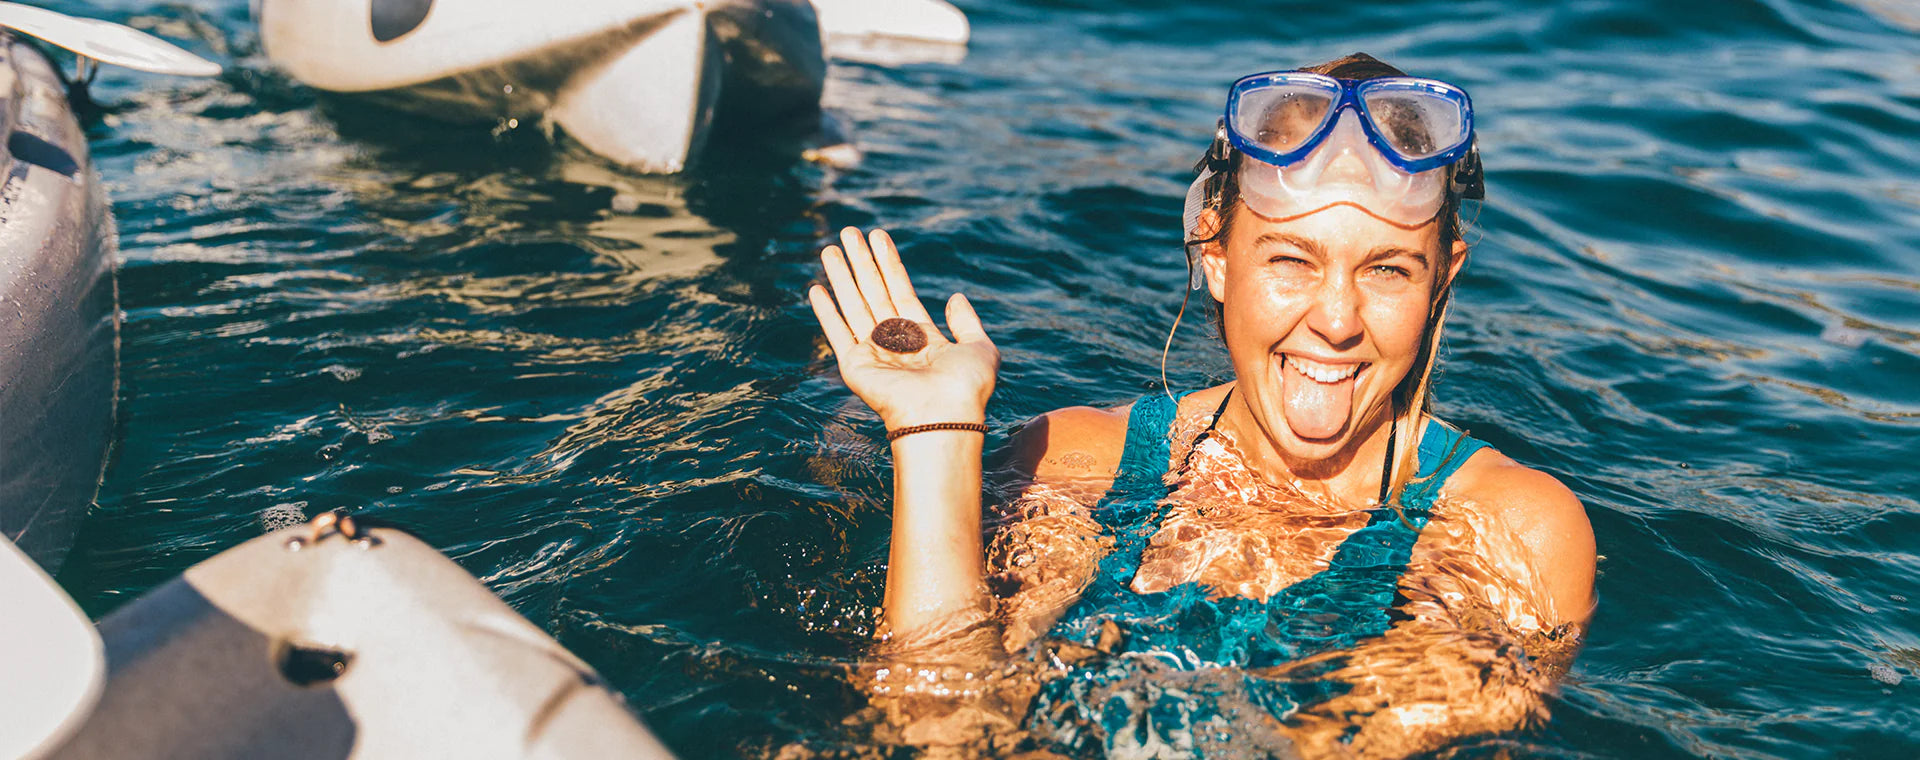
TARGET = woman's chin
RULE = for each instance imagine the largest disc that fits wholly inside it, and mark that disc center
(1303, 447)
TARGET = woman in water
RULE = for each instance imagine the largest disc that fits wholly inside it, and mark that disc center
(1301, 561)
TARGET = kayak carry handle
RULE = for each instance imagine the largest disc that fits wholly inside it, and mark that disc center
(332, 523)
(306, 664)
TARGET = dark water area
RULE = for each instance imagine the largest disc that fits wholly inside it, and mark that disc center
(1692, 297)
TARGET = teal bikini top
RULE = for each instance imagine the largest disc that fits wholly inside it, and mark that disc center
(1350, 600)
(1184, 678)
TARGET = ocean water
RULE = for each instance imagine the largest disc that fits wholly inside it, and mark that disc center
(1692, 297)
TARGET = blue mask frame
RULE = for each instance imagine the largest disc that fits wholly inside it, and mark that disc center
(1351, 94)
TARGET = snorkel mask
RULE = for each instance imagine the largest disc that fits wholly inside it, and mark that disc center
(1394, 147)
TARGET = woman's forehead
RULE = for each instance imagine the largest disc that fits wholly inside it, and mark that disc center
(1332, 231)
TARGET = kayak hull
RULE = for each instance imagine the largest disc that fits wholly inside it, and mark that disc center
(59, 317)
(312, 643)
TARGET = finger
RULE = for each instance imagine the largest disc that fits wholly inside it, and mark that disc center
(964, 323)
(831, 323)
(867, 274)
(906, 302)
(859, 319)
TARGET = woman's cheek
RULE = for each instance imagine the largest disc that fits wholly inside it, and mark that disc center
(1282, 289)
(1397, 324)
(1278, 311)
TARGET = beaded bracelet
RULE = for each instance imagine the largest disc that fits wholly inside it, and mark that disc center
(976, 427)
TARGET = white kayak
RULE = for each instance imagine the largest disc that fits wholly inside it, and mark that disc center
(636, 81)
(331, 641)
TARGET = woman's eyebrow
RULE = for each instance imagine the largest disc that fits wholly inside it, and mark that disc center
(1392, 251)
(1281, 238)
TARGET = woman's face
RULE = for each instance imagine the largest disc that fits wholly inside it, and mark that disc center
(1323, 316)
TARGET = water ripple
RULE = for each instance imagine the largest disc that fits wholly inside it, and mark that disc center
(1691, 297)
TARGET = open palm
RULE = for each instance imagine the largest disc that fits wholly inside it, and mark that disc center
(947, 381)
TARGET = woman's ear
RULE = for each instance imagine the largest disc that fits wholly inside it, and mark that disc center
(1213, 253)
(1459, 260)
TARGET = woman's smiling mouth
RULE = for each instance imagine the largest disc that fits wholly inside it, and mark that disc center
(1323, 372)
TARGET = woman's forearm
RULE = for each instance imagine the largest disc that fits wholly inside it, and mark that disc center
(911, 374)
(935, 583)
(1422, 685)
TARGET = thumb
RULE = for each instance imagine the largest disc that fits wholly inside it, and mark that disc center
(963, 322)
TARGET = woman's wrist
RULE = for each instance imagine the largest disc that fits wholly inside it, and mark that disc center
(906, 419)
(943, 443)
(895, 434)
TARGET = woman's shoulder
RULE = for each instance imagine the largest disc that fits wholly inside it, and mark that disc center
(1545, 520)
(1074, 443)
(1081, 442)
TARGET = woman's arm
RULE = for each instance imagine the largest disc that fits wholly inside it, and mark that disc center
(1496, 599)
(1426, 683)
(1046, 544)
(935, 576)
(947, 689)
(936, 586)
(1532, 525)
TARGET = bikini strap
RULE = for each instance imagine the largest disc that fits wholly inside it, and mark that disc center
(1443, 450)
(1211, 424)
(1143, 460)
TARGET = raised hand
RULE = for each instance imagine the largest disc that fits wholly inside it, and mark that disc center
(946, 381)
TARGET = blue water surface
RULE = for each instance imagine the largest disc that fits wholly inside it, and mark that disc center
(1692, 297)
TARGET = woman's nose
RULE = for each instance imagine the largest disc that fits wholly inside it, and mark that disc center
(1335, 315)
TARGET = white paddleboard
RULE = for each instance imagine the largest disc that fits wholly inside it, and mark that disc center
(635, 81)
(893, 32)
(931, 21)
(51, 661)
(105, 41)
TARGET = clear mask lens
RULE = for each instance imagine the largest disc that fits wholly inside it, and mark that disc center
(1413, 121)
(1283, 118)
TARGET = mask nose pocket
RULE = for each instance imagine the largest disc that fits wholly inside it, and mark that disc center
(1342, 159)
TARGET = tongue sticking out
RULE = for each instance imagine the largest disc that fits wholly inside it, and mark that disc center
(1316, 410)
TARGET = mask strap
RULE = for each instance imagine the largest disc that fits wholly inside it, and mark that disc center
(1204, 194)
(1218, 159)
(1469, 180)
(1219, 152)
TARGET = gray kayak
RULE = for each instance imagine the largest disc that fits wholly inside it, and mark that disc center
(59, 318)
